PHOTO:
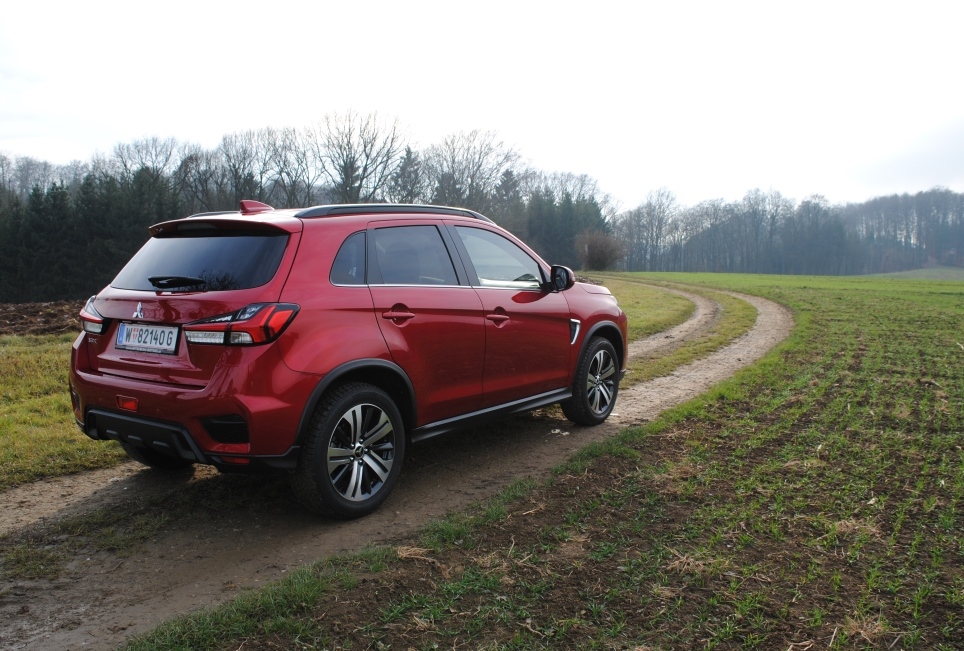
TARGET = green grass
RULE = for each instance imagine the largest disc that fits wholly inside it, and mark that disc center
(931, 273)
(815, 500)
(736, 318)
(38, 437)
(648, 309)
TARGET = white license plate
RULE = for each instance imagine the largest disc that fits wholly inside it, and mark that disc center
(147, 338)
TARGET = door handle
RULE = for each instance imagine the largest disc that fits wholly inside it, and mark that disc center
(397, 315)
(498, 319)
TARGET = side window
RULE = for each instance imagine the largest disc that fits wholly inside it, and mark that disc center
(349, 265)
(413, 255)
(499, 262)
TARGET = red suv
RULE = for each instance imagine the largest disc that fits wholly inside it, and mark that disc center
(322, 341)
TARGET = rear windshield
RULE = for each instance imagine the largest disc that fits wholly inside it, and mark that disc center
(205, 262)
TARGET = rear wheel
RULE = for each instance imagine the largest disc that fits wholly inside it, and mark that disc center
(353, 454)
(595, 385)
(155, 460)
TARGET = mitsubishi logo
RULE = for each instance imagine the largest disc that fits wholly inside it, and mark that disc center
(139, 312)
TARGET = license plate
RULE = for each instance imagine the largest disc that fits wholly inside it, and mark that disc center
(147, 338)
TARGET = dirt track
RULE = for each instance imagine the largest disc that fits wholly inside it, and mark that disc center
(258, 534)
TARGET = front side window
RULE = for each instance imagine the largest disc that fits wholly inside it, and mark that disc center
(498, 261)
(413, 255)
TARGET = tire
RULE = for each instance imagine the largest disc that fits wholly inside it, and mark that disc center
(156, 460)
(353, 453)
(595, 385)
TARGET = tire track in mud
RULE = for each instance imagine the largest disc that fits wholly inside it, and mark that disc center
(103, 598)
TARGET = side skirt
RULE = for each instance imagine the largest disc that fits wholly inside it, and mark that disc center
(489, 414)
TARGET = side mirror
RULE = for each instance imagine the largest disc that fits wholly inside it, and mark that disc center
(561, 278)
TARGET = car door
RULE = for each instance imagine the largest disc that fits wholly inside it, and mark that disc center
(430, 318)
(527, 328)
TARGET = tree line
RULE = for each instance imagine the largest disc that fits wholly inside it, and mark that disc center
(66, 230)
(766, 232)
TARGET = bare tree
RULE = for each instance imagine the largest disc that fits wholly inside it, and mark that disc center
(72, 174)
(644, 230)
(155, 154)
(359, 155)
(577, 186)
(29, 173)
(263, 162)
(705, 248)
(466, 168)
(201, 179)
(6, 172)
(297, 167)
(247, 166)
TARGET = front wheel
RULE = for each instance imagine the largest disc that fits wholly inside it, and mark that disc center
(595, 385)
(353, 454)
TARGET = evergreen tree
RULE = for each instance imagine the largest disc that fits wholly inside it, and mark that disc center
(507, 207)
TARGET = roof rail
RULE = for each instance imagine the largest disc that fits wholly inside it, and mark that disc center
(388, 208)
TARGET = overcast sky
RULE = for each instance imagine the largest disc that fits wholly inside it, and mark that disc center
(708, 99)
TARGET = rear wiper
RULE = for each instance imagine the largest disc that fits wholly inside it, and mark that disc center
(167, 282)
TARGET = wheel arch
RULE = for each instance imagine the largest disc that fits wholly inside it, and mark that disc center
(610, 331)
(385, 375)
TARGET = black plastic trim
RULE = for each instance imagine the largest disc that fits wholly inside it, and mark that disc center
(596, 328)
(227, 428)
(574, 326)
(156, 435)
(175, 441)
(278, 462)
(340, 372)
(490, 413)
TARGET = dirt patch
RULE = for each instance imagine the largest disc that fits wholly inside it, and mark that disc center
(232, 533)
(40, 318)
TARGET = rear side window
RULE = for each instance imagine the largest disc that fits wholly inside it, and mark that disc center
(224, 261)
(413, 255)
(349, 265)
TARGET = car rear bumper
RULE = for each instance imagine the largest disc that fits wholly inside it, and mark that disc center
(174, 440)
(249, 410)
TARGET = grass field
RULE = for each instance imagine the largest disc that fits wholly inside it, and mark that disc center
(931, 273)
(814, 501)
(38, 437)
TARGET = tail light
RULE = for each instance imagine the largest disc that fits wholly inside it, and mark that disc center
(90, 319)
(255, 324)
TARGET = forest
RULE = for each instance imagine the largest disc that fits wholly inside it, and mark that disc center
(66, 230)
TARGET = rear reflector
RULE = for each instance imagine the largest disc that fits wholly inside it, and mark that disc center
(129, 404)
(238, 461)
